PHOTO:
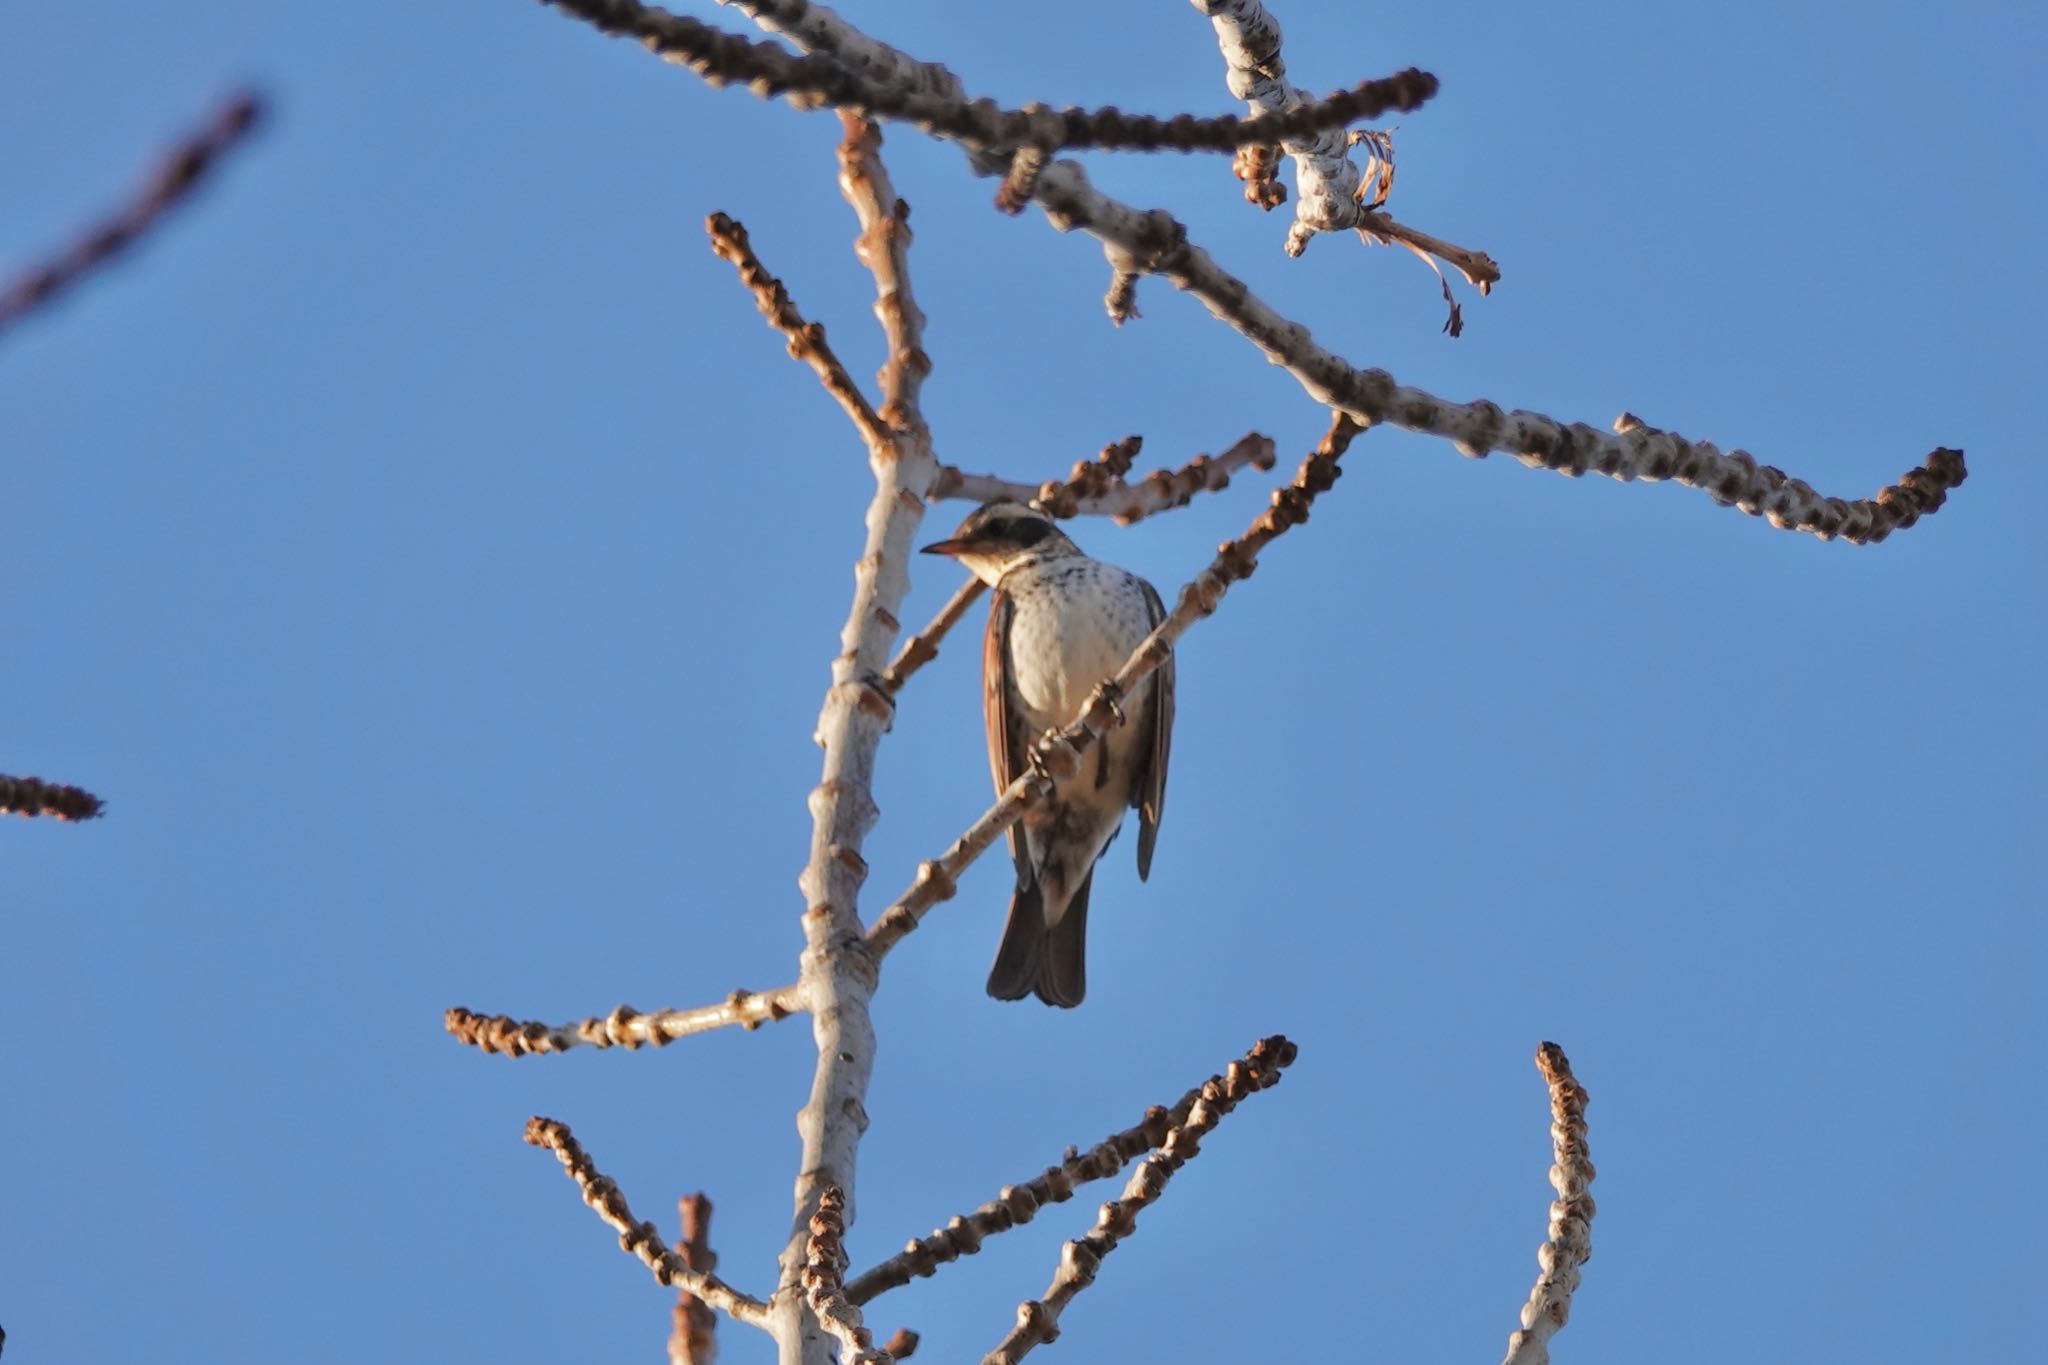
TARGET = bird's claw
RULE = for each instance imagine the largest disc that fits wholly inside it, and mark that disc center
(1112, 696)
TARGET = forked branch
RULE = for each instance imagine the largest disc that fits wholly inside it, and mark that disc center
(837, 980)
(815, 81)
(1015, 1205)
(1156, 243)
(1038, 1320)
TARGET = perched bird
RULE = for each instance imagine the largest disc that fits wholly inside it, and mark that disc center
(1059, 624)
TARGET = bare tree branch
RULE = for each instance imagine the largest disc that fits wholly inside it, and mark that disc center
(1332, 195)
(1156, 243)
(1570, 1243)
(31, 796)
(1058, 753)
(1038, 1320)
(1015, 1205)
(838, 980)
(694, 1338)
(806, 339)
(643, 1240)
(169, 184)
(923, 647)
(1083, 493)
(883, 247)
(624, 1027)
(819, 30)
(814, 81)
(823, 1289)
(1476, 266)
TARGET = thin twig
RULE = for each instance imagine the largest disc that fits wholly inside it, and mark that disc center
(694, 1338)
(643, 1240)
(1159, 491)
(824, 1289)
(1570, 1242)
(923, 647)
(624, 1027)
(1477, 267)
(806, 339)
(170, 184)
(883, 247)
(1057, 755)
(32, 796)
(813, 81)
(1015, 1205)
(1038, 1320)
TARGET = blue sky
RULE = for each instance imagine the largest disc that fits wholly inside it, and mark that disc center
(430, 556)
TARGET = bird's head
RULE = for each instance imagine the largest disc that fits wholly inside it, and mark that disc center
(997, 536)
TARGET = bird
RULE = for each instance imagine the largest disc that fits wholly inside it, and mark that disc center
(1060, 623)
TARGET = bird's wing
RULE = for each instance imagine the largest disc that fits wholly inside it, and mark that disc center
(1148, 791)
(1006, 748)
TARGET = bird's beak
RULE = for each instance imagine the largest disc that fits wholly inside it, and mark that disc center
(944, 547)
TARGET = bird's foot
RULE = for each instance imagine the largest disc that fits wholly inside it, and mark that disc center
(1111, 696)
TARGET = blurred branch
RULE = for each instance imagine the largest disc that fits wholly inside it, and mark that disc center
(1038, 1320)
(1015, 1205)
(624, 1027)
(643, 1240)
(806, 339)
(169, 184)
(694, 1338)
(32, 796)
(813, 81)
(1570, 1242)
(1058, 753)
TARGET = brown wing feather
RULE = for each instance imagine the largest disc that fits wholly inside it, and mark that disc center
(1148, 792)
(1006, 749)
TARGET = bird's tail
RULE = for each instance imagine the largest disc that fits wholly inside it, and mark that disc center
(1049, 961)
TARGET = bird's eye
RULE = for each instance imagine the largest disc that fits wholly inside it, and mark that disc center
(1029, 531)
